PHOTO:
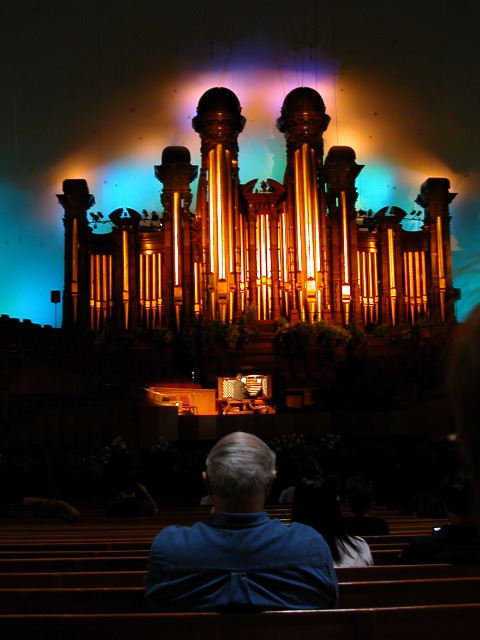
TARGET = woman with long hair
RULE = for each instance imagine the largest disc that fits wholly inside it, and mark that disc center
(315, 503)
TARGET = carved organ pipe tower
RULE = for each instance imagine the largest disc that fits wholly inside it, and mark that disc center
(434, 198)
(219, 121)
(76, 200)
(180, 273)
(303, 121)
(341, 172)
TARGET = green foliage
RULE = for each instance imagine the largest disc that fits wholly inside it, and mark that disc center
(297, 339)
(202, 339)
(162, 336)
(378, 330)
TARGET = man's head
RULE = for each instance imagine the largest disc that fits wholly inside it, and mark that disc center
(239, 472)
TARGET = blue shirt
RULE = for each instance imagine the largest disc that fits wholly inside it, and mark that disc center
(240, 562)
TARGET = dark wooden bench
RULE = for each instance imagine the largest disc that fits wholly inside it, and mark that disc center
(352, 595)
(437, 622)
(35, 565)
(407, 572)
(48, 579)
(403, 593)
(76, 579)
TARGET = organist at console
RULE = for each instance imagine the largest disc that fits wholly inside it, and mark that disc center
(258, 388)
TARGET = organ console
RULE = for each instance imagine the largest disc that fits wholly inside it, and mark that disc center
(257, 385)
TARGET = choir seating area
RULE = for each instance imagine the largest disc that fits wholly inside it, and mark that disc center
(85, 579)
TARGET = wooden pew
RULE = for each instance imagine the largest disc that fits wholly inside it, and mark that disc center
(352, 595)
(76, 579)
(438, 622)
(34, 565)
(406, 572)
(114, 561)
(403, 593)
(48, 580)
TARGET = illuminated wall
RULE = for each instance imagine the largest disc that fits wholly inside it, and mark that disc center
(87, 94)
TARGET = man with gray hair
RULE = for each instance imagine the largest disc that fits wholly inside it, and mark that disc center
(240, 559)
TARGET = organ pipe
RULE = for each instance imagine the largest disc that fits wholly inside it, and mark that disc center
(441, 268)
(126, 284)
(391, 276)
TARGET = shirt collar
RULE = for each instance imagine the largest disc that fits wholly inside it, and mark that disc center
(238, 520)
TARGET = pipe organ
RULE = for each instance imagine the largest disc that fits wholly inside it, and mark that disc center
(298, 249)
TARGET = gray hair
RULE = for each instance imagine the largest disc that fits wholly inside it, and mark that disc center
(240, 465)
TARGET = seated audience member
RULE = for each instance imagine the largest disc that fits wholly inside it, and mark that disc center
(240, 559)
(315, 503)
(133, 501)
(359, 490)
(463, 378)
(457, 542)
(286, 496)
(51, 508)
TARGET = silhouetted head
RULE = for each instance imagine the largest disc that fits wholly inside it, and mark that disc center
(359, 494)
(457, 493)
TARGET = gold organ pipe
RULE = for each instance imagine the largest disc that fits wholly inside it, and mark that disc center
(441, 260)
(375, 286)
(98, 283)
(346, 265)
(319, 304)
(126, 284)
(361, 276)
(110, 300)
(92, 291)
(391, 261)
(317, 234)
(258, 263)
(159, 288)
(197, 305)
(266, 266)
(221, 212)
(308, 205)
(154, 296)
(148, 281)
(283, 248)
(261, 264)
(243, 262)
(105, 286)
(142, 285)
(411, 286)
(391, 274)
(74, 283)
(370, 285)
(212, 210)
(406, 285)
(418, 283)
(268, 256)
(299, 208)
(230, 253)
(441, 268)
(424, 282)
(176, 239)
